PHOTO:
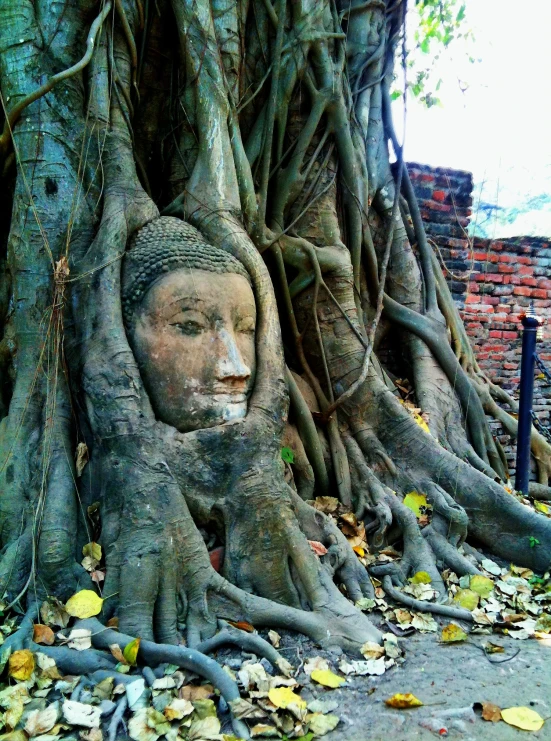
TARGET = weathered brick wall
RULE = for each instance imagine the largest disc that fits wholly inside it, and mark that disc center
(492, 281)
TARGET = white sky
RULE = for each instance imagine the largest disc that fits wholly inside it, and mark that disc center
(500, 127)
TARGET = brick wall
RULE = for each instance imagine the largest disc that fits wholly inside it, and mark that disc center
(492, 281)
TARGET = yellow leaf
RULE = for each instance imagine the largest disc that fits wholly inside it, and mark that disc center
(93, 550)
(522, 717)
(284, 696)
(401, 701)
(327, 678)
(84, 604)
(21, 665)
(130, 652)
(467, 599)
(421, 577)
(415, 501)
(421, 422)
(481, 585)
(359, 550)
(452, 634)
(541, 507)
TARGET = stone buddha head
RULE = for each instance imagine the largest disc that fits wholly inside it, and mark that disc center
(190, 317)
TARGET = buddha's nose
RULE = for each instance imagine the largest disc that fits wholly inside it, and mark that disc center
(230, 364)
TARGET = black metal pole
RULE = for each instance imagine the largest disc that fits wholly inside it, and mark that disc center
(530, 327)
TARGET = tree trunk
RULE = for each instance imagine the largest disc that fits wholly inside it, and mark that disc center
(267, 127)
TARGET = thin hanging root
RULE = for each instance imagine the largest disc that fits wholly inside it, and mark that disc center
(245, 641)
(456, 613)
(159, 653)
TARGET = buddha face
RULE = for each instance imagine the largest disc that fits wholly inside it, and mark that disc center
(194, 340)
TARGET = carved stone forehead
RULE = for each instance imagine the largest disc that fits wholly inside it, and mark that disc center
(162, 246)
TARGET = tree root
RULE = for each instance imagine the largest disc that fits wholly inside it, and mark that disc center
(245, 641)
(157, 653)
(456, 613)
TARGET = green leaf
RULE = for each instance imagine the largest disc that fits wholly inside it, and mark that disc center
(533, 541)
(287, 455)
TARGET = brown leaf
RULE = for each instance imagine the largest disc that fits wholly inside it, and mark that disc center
(242, 625)
(491, 712)
(97, 576)
(318, 548)
(81, 458)
(193, 692)
(117, 653)
(43, 634)
(113, 622)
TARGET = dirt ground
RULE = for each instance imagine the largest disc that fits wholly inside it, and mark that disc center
(448, 678)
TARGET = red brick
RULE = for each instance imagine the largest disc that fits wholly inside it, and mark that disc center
(426, 178)
(491, 300)
(506, 268)
(525, 270)
(510, 366)
(439, 195)
(526, 281)
(523, 260)
(495, 333)
(494, 278)
(510, 335)
(473, 299)
(539, 293)
(522, 291)
(515, 280)
(544, 283)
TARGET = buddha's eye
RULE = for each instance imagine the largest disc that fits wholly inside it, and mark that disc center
(189, 328)
(245, 324)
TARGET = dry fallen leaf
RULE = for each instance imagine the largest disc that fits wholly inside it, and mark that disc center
(42, 721)
(320, 724)
(81, 714)
(178, 709)
(242, 625)
(453, 634)
(482, 585)
(80, 639)
(402, 701)
(326, 504)
(21, 665)
(371, 650)
(282, 697)
(193, 692)
(92, 550)
(327, 678)
(116, 651)
(522, 717)
(491, 712)
(84, 604)
(318, 548)
(467, 599)
(81, 457)
(414, 501)
(274, 637)
(43, 634)
(421, 577)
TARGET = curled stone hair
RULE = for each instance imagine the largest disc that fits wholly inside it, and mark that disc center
(162, 246)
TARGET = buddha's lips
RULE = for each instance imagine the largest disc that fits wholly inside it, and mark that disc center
(229, 397)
